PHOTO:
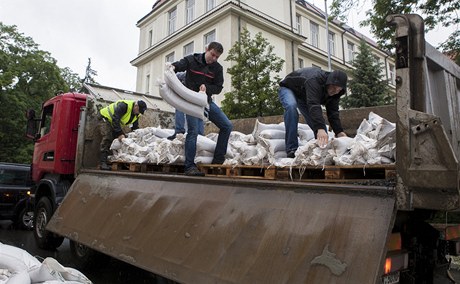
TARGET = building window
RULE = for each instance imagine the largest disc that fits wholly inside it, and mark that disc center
(392, 75)
(331, 43)
(301, 64)
(170, 57)
(190, 11)
(188, 49)
(150, 38)
(314, 34)
(209, 37)
(298, 20)
(172, 15)
(351, 51)
(210, 4)
(147, 84)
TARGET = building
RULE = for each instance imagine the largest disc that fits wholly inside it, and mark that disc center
(297, 30)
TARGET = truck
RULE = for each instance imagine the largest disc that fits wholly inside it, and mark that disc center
(224, 229)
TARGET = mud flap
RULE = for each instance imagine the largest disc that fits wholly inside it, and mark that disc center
(206, 230)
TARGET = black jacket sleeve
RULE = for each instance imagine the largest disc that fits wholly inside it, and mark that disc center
(120, 110)
(314, 92)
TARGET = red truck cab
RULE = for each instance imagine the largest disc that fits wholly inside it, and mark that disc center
(55, 135)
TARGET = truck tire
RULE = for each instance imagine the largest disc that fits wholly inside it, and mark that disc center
(25, 219)
(85, 258)
(45, 239)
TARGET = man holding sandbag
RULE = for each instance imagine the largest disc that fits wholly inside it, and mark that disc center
(205, 74)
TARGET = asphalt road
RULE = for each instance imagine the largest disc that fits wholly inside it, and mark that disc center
(114, 272)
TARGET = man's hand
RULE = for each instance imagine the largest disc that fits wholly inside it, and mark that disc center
(341, 134)
(203, 88)
(121, 137)
(322, 138)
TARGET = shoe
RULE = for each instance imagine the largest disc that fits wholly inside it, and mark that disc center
(105, 167)
(172, 137)
(193, 171)
(217, 161)
(291, 154)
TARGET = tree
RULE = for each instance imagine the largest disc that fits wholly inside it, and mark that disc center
(89, 74)
(366, 86)
(28, 76)
(444, 12)
(255, 91)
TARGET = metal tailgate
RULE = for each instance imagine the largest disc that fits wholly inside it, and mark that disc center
(218, 230)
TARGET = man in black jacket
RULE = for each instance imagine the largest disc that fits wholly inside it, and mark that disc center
(307, 89)
(205, 74)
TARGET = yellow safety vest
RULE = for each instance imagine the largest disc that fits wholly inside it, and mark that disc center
(109, 111)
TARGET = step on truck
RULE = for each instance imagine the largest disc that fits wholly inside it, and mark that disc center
(230, 230)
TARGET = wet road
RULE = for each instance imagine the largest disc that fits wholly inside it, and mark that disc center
(114, 272)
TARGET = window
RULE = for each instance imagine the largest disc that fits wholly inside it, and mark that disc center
(147, 84)
(172, 15)
(190, 11)
(188, 49)
(314, 34)
(351, 51)
(392, 75)
(170, 57)
(209, 37)
(301, 64)
(331, 43)
(47, 119)
(210, 4)
(150, 38)
(298, 20)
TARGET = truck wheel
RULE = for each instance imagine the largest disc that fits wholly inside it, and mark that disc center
(85, 258)
(25, 219)
(44, 238)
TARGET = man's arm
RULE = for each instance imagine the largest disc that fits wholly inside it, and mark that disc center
(314, 91)
(120, 110)
(333, 115)
(217, 84)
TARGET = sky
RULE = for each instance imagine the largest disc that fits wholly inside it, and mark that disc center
(103, 30)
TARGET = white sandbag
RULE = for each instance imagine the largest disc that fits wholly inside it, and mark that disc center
(273, 145)
(259, 127)
(272, 134)
(341, 145)
(306, 134)
(204, 143)
(179, 103)
(203, 160)
(197, 98)
(51, 269)
(164, 132)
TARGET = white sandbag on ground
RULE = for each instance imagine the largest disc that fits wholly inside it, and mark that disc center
(272, 134)
(306, 134)
(197, 98)
(180, 103)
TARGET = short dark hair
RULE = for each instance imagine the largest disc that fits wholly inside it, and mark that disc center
(217, 46)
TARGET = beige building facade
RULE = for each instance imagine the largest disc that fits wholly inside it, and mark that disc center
(296, 29)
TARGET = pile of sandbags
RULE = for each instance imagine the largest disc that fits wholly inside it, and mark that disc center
(17, 266)
(374, 144)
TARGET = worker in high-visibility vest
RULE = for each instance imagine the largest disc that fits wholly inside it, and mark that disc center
(113, 117)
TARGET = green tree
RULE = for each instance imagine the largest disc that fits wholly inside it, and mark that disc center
(28, 76)
(435, 12)
(366, 86)
(255, 90)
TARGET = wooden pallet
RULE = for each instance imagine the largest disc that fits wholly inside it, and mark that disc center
(328, 173)
(147, 168)
(309, 173)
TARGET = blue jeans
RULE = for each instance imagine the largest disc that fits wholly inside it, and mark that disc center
(291, 117)
(218, 117)
(180, 123)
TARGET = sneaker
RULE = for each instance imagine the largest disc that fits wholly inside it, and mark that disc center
(291, 154)
(193, 171)
(217, 161)
(105, 167)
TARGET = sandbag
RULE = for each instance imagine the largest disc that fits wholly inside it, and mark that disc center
(197, 98)
(179, 103)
